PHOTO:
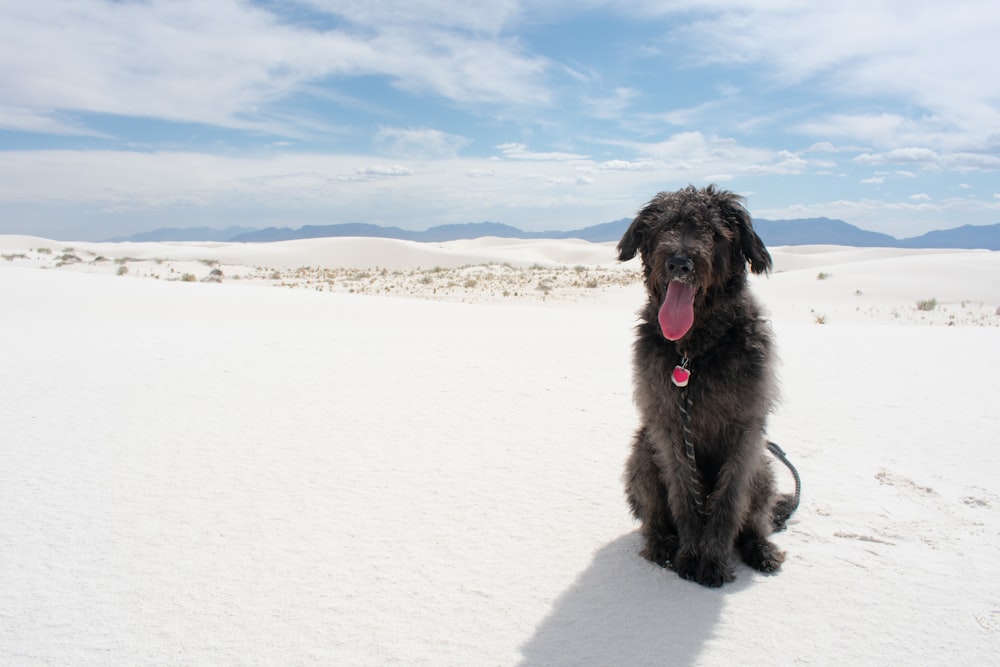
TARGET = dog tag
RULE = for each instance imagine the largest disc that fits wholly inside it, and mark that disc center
(680, 376)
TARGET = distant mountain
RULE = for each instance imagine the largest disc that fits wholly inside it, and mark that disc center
(186, 234)
(966, 236)
(807, 231)
(819, 231)
(823, 231)
(321, 231)
(608, 231)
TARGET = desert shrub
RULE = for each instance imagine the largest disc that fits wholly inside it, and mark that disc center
(122, 270)
(927, 304)
(189, 278)
(823, 276)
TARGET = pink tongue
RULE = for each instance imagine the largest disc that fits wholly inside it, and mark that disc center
(677, 312)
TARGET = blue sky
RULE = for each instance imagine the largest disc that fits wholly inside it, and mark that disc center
(123, 116)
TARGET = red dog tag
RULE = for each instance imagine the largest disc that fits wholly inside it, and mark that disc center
(680, 376)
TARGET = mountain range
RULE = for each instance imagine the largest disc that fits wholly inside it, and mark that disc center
(805, 231)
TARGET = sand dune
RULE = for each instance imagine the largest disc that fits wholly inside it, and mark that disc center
(273, 470)
(809, 283)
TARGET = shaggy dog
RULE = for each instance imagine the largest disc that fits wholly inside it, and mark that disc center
(698, 478)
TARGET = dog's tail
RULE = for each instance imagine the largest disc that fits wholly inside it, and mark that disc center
(788, 503)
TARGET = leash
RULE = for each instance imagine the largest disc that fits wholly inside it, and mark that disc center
(680, 377)
(786, 511)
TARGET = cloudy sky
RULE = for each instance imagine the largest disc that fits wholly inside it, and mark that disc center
(127, 115)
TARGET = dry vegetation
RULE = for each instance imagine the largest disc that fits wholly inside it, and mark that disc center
(474, 283)
(490, 283)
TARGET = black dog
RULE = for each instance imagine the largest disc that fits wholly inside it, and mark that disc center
(698, 477)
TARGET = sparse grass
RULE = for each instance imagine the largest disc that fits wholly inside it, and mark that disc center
(927, 304)
(189, 278)
(44, 251)
(13, 256)
(819, 319)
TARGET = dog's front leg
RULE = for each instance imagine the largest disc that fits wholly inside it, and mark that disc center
(726, 508)
(687, 506)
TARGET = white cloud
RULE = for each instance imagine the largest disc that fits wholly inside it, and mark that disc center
(611, 106)
(419, 143)
(384, 170)
(629, 165)
(911, 155)
(486, 19)
(874, 180)
(827, 147)
(921, 197)
(226, 63)
(925, 60)
(517, 151)
(696, 155)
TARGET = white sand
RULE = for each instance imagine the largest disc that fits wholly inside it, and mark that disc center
(231, 473)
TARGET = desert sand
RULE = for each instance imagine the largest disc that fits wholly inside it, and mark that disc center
(373, 452)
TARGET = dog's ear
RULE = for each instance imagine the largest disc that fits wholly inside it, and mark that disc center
(629, 245)
(638, 233)
(751, 245)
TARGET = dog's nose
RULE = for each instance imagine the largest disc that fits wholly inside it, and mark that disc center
(679, 266)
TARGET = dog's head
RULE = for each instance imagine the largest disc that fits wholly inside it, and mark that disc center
(693, 243)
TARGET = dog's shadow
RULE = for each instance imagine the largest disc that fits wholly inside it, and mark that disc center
(622, 610)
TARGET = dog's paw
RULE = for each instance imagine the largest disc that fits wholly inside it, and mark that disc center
(782, 511)
(763, 556)
(713, 572)
(660, 550)
(686, 564)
